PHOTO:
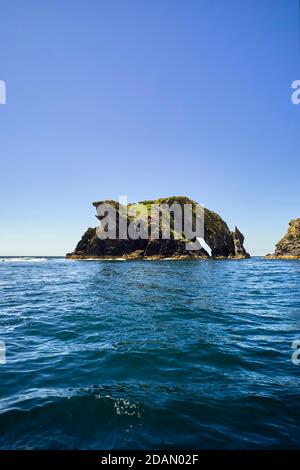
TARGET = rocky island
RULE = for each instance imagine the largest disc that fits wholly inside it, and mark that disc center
(222, 243)
(289, 246)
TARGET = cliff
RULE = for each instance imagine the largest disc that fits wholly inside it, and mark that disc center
(289, 246)
(222, 242)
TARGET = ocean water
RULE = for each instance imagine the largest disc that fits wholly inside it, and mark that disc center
(149, 355)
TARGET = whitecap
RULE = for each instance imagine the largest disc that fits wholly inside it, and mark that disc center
(22, 259)
(102, 259)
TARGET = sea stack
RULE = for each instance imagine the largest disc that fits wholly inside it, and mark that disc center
(289, 246)
(222, 243)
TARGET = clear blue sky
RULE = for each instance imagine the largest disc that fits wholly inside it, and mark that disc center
(147, 98)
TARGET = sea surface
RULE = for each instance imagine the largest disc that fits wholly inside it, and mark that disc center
(149, 354)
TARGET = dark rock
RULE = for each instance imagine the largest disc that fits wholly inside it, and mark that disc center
(289, 246)
(222, 242)
(238, 244)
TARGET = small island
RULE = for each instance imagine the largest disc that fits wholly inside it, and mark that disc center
(289, 246)
(221, 242)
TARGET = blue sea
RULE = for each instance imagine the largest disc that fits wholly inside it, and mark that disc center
(149, 354)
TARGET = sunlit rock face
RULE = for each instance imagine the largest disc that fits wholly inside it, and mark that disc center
(221, 241)
(289, 246)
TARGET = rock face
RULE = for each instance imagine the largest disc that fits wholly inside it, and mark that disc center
(222, 242)
(289, 246)
(238, 244)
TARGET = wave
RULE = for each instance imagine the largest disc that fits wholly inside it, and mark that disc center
(103, 259)
(23, 259)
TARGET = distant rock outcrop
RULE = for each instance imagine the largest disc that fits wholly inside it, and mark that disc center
(238, 244)
(222, 242)
(289, 246)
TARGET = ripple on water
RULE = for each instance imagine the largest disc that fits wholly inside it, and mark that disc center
(149, 355)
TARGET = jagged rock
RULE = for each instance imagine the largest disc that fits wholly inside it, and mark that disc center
(222, 242)
(289, 246)
(238, 244)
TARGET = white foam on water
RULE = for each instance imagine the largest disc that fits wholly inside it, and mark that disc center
(102, 259)
(23, 259)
